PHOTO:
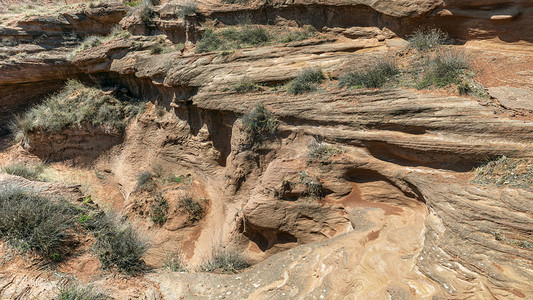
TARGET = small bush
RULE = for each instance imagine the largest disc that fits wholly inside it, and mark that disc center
(298, 35)
(313, 185)
(146, 13)
(30, 222)
(427, 39)
(210, 42)
(307, 81)
(88, 42)
(260, 124)
(76, 105)
(132, 3)
(144, 179)
(72, 291)
(174, 261)
(505, 171)
(321, 151)
(120, 246)
(445, 68)
(30, 172)
(159, 210)
(225, 261)
(193, 208)
(246, 86)
(187, 9)
(253, 35)
(374, 77)
(233, 38)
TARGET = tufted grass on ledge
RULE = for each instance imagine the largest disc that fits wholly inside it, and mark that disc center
(505, 171)
(225, 261)
(30, 172)
(76, 106)
(376, 76)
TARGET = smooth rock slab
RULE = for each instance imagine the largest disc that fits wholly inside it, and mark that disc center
(511, 97)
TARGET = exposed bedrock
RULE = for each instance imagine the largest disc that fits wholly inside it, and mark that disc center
(461, 19)
(37, 63)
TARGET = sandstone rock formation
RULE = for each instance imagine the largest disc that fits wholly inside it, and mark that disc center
(361, 193)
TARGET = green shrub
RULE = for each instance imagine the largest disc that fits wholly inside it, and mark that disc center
(233, 38)
(246, 86)
(260, 124)
(313, 185)
(505, 171)
(225, 261)
(298, 35)
(375, 76)
(445, 68)
(88, 42)
(132, 3)
(321, 151)
(253, 35)
(30, 172)
(146, 14)
(427, 39)
(144, 180)
(72, 291)
(188, 8)
(76, 106)
(30, 222)
(210, 42)
(120, 246)
(174, 261)
(159, 210)
(307, 81)
(192, 207)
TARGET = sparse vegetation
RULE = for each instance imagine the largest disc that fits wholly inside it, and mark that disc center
(192, 207)
(225, 261)
(425, 39)
(174, 261)
(321, 151)
(260, 124)
(159, 210)
(233, 38)
(297, 35)
(506, 171)
(236, 1)
(118, 245)
(88, 42)
(8, 42)
(29, 222)
(246, 86)
(188, 8)
(375, 76)
(74, 291)
(244, 36)
(445, 68)
(520, 243)
(76, 105)
(30, 172)
(132, 3)
(162, 46)
(307, 81)
(144, 181)
(177, 179)
(313, 185)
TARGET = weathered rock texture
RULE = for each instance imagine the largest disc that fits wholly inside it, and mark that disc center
(391, 212)
(35, 50)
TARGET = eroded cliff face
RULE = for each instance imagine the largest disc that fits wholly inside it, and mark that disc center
(362, 193)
